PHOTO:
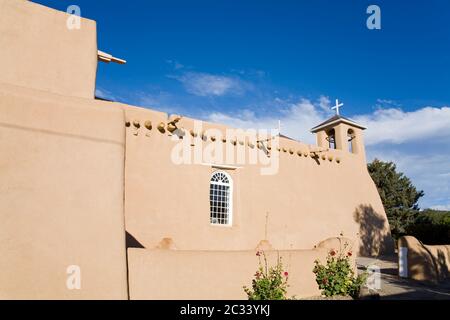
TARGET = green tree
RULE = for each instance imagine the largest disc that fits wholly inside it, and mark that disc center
(398, 194)
(431, 227)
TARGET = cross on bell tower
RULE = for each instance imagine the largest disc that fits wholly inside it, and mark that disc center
(337, 107)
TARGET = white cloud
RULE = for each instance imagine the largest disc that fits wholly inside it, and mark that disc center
(205, 84)
(296, 120)
(396, 126)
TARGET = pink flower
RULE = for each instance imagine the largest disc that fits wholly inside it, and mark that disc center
(332, 253)
(258, 253)
(286, 273)
(349, 254)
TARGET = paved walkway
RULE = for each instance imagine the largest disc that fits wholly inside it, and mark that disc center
(395, 288)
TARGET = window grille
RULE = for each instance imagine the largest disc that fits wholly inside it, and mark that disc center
(220, 198)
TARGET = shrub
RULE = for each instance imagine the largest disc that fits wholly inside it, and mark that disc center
(336, 277)
(270, 283)
(431, 227)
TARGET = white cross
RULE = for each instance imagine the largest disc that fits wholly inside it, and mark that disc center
(337, 106)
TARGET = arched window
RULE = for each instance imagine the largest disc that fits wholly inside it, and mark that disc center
(220, 198)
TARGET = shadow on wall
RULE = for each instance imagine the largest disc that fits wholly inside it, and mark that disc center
(374, 233)
(442, 263)
(421, 265)
(426, 263)
(440, 258)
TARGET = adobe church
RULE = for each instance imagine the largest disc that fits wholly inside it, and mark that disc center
(94, 205)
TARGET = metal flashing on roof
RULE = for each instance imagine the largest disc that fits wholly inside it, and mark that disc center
(335, 120)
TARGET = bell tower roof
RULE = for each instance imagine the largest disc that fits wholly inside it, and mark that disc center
(335, 120)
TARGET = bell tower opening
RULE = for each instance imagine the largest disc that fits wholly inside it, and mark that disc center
(331, 138)
(351, 141)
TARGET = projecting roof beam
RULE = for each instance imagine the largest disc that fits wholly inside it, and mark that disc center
(106, 57)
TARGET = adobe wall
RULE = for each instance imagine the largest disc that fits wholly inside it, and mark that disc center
(61, 191)
(157, 274)
(424, 262)
(42, 53)
(306, 201)
(184, 275)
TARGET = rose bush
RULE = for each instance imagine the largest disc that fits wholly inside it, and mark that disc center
(270, 283)
(337, 277)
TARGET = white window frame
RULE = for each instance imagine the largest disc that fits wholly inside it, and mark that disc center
(230, 197)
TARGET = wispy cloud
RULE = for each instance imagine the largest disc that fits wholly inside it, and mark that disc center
(104, 94)
(206, 84)
(325, 103)
(157, 100)
(387, 103)
(296, 118)
(175, 64)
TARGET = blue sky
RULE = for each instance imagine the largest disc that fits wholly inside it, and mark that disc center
(250, 63)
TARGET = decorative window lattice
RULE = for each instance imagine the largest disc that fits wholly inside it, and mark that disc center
(220, 198)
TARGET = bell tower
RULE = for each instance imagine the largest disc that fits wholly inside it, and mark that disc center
(341, 133)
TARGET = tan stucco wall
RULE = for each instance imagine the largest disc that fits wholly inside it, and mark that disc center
(426, 263)
(306, 201)
(61, 196)
(213, 275)
(39, 51)
(220, 275)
